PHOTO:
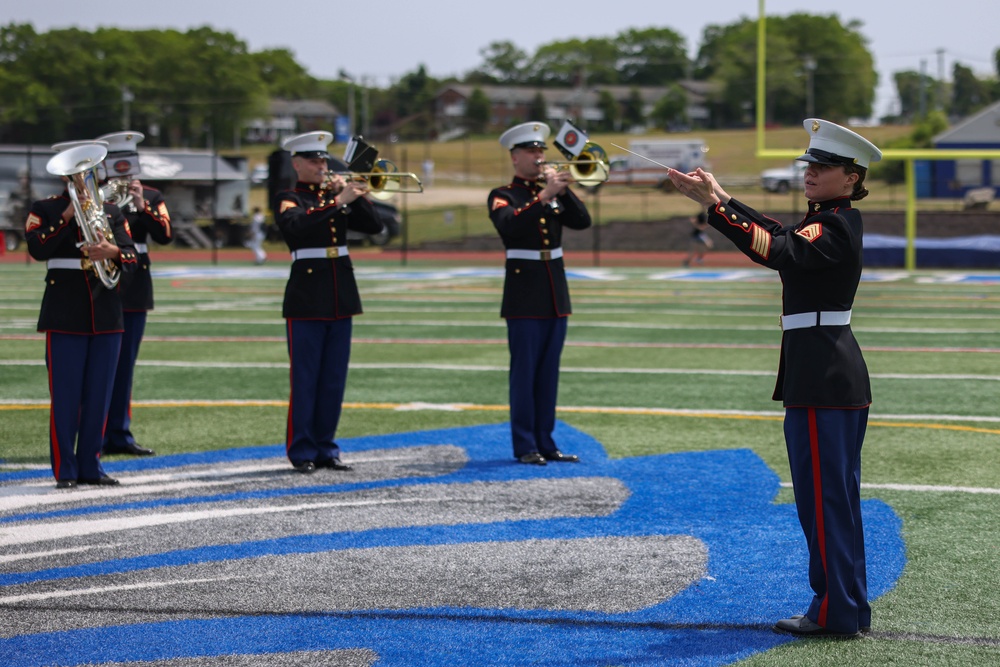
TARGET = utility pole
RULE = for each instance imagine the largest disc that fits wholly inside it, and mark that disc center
(127, 97)
(344, 76)
(810, 65)
(940, 86)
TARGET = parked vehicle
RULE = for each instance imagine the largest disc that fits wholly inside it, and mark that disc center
(783, 179)
(200, 188)
(683, 155)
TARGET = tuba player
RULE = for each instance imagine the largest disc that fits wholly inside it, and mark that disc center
(82, 321)
(148, 218)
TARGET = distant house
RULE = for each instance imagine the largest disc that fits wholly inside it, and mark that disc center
(288, 117)
(954, 178)
(511, 104)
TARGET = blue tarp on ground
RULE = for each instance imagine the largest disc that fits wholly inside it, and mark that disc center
(958, 252)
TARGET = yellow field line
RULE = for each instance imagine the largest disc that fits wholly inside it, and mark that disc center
(469, 407)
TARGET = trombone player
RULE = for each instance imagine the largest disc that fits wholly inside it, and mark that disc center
(81, 311)
(530, 214)
(148, 217)
(321, 296)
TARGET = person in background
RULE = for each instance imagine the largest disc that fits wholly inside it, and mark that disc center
(700, 242)
(148, 218)
(530, 214)
(321, 297)
(256, 242)
(822, 377)
(82, 321)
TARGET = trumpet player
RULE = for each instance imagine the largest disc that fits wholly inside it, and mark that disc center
(148, 217)
(81, 317)
(530, 214)
(321, 297)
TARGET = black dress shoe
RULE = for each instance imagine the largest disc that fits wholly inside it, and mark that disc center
(133, 448)
(66, 484)
(559, 456)
(306, 467)
(534, 458)
(801, 626)
(100, 481)
(335, 464)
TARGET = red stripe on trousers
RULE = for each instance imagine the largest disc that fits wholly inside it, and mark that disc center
(818, 492)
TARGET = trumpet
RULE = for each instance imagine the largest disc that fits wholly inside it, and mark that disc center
(79, 165)
(116, 191)
(589, 168)
(384, 180)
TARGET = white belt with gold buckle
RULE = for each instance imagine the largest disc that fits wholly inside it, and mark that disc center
(64, 263)
(320, 253)
(538, 255)
(823, 318)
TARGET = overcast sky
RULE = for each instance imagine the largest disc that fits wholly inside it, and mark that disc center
(380, 40)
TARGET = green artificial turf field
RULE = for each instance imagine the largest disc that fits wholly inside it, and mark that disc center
(657, 361)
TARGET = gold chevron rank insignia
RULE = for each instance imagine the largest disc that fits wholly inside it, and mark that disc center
(811, 232)
(33, 222)
(499, 202)
(287, 204)
(760, 242)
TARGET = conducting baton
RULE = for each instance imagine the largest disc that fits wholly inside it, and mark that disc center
(642, 156)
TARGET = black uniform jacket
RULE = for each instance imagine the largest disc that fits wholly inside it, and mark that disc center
(75, 301)
(819, 261)
(323, 288)
(534, 288)
(146, 219)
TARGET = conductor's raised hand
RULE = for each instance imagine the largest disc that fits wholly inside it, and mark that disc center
(699, 185)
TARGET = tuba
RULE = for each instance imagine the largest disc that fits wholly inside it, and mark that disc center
(79, 165)
(116, 192)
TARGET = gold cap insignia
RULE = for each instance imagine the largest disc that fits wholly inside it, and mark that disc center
(815, 126)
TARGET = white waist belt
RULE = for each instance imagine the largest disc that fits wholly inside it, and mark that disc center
(141, 247)
(320, 253)
(543, 255)
(65, 263)
(825, 318)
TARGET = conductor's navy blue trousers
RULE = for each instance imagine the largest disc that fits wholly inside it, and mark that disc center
(824, 452)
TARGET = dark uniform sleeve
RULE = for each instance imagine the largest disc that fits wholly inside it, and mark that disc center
(47, 233)
(153, 217)
(821, 241)
(127, 259)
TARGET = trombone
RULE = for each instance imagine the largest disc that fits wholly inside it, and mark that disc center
(589, 168)
(384, 180)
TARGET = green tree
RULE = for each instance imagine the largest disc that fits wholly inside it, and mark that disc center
(413, 97)
(915, 91)
(632, 111)
(477, 111)
(671, 109)
(503, 63)
(611, 121)
(844, 75)
(574, 62)
(651, 57)
(283, 76)
(538, 110)
(968, 93)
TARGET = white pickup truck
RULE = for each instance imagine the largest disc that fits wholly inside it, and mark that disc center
(784, 178)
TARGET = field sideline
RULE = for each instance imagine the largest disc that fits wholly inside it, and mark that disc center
(662, 365)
